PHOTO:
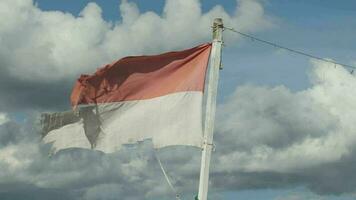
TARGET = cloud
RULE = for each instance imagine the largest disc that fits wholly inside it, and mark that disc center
(3, 118)
(103, 192)
(292, 197)
(278, 130)
(290, 138)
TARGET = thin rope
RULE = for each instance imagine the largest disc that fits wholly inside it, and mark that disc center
(166, 176)
(288, 49)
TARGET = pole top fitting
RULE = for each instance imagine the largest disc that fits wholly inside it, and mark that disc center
(218, 23)
(218, 27)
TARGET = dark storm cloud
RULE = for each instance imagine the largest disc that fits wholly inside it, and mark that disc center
(21, 95)
(9, 133)
(334, 178)
(20, 191)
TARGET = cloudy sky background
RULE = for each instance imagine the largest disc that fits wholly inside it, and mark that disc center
(285, 124)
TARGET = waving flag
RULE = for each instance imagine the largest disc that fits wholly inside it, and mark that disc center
(133, 99)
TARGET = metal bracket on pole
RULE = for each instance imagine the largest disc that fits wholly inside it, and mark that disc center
(213, 77)
(211, 144)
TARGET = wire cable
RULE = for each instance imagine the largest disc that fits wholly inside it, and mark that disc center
(166, 176)
(289, 49)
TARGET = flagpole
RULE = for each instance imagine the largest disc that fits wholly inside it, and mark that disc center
(213, 78)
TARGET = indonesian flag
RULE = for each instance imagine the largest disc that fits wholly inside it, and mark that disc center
(133, 99)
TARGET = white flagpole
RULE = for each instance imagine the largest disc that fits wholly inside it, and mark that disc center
(213, 78)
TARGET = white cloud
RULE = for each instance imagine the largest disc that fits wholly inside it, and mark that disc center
(277, 130)
(290, 197)
(8, 157)
(103, 192)
(3, 118)
(300, 196)
(52, 45)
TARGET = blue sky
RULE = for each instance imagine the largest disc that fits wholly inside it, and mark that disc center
(325, 28)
